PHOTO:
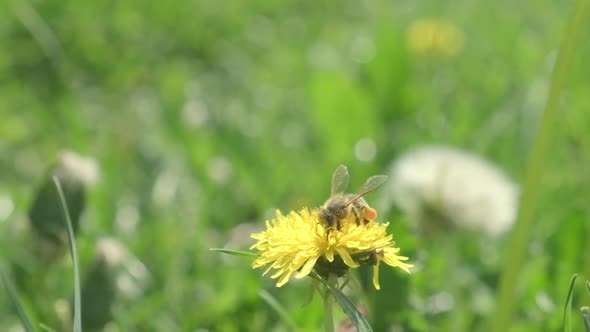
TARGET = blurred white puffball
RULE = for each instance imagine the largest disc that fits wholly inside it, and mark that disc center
(467, 190)
(83, 169)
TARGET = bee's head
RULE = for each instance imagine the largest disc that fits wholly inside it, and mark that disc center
(338, 208)
(327, 217)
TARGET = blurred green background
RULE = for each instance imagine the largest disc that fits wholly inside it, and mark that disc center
(206, 116)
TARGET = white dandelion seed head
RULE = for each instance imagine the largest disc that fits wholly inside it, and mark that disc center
(131, 275)
(84, 169)
(111, 251)
(471, 192)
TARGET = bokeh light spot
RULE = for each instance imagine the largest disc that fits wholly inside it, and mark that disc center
(365, 149)
(6, 207)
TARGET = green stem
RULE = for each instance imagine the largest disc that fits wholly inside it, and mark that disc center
(328, 306)
(513, 263)
(586, 317)
(452, 267)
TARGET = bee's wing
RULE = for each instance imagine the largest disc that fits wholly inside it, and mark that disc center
(340, 180)
(371, 184)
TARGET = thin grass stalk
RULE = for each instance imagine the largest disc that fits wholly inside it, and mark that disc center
(77, 300)
(567, 309)
(532, 179)
(22, 314)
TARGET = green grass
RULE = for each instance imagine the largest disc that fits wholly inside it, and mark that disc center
(74, 251)
(17, 304)
(208, 115)
(534, 172)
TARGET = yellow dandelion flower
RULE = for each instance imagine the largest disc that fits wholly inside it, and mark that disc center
(434, 36)
(295, 244)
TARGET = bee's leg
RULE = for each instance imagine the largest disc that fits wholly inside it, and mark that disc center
(356, 216)
(368, 211)
(361, 209)
(374, 258)
(376, 255)
(336, 224)
(369, 258)
(365, 220)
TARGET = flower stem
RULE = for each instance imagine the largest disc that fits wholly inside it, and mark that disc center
(328, 306)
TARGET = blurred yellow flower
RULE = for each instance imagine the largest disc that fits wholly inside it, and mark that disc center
(300, 242)
(435, 36)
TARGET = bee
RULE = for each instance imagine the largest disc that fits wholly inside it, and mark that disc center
(341, 205)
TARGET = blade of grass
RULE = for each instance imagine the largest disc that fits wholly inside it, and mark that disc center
(16, 302)
(534, 169)
(236, 252)
(588, 286)
(77, 302)
(347, 306)
(279, 309)
(46, 328)
(567, 310)
(586, 316)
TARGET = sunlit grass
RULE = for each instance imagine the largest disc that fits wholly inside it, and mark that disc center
(533, 177)
(207, 116)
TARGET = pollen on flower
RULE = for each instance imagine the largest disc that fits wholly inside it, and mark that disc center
(295, 244)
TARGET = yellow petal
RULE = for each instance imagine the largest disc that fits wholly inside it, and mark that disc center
(346, 258)
(284, 279)
(279, 273)
(329, 255)
(306, 269)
